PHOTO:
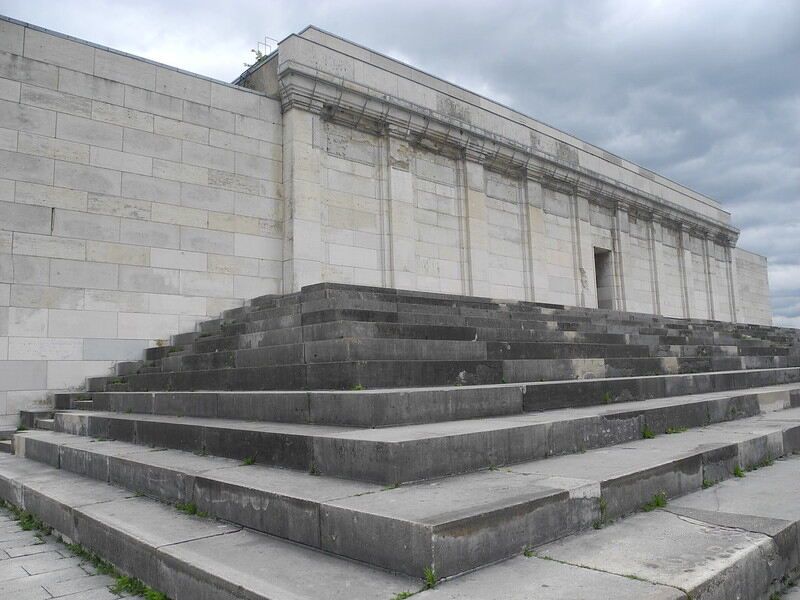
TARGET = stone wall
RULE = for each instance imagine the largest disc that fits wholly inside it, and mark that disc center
(135, 200)
(753, 285)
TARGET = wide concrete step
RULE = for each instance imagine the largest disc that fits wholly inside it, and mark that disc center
(246, 370)
(736, 539)
(186, 557)
(585, 392)
(410, 406)
(454, 524)
(415, 452)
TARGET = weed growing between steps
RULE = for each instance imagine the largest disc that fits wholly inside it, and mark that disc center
(190, 508)
(647, 433)
(430, 578)
(123, 584)
(659, 501)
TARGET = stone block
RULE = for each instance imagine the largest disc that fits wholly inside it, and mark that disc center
(150, 188)
(125, 69)
(23, 167)
(71, 374)
(27, 322)
(30, 269)
(234, 223)
(59, 51)
(53, 148)
(118, 207)
(153, 102)
(87, 131)
(181, 129)
(21, 348)
(207, 156)
(183, 85)
(148, 279)
(178, 215)
(178, 259)
(175, 171)
(235, 100)
(23, 375)
(208, 198)
(5, 300)
(232, 265)
(207, 116)
(24, 218)
(54, 100)
(96, 88)
(8, 140)
(31, 244)
(238, 143)
(255, 246)
(11, 37)
(85, 226)
(36, 296)
(120, 115)
(170, 304)
(256, 128)
(26, 70)
(122, 161)
(147, 326)
(88, 178)
(206, 284)
(82, 324)
(46, 195)
(251, 287)
(204, 240)
(78, 274)
(123, 254)
(144, 233)
(151, 144)
(113, 349)
(112, 300)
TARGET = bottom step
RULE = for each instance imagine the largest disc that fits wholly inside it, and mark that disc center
(187, 558)
(737, 540)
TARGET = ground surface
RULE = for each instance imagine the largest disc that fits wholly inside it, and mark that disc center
(37, 567)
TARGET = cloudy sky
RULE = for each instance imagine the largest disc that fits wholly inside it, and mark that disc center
(705, 92)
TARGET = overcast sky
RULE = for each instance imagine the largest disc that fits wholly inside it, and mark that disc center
(704, 92)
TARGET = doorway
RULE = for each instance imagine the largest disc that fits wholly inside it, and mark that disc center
(604, 278)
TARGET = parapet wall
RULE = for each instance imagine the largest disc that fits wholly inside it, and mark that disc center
(135, 200)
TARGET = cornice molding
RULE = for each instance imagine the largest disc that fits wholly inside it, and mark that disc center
(344, 102)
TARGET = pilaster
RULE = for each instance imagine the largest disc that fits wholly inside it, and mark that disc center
(476, 219)
(733, 282)
(583, 251)
(687, 271)
(621, 255)
(402, 233)
(302, 182)
(535, 236)
(708, 265)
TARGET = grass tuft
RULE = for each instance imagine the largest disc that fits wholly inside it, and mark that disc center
(659, 500)
(430, 578)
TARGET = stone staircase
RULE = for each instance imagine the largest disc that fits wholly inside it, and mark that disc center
(345, 442)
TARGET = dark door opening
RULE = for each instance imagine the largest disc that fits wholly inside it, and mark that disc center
(604, 278)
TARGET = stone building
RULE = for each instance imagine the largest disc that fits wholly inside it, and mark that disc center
(137, 199)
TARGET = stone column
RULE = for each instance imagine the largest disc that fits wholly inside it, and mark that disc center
(686, 267)
(708, 265)
(535, 240)
(476, 240)
(302, 185)
(656, 264)
(402, 232)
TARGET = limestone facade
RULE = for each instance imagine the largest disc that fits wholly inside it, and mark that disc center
(137, 199)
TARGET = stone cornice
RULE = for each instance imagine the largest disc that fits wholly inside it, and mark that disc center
(357, 106)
